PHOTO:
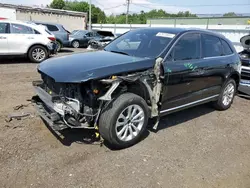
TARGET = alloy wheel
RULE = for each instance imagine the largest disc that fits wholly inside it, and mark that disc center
(38, 54)
(130, 122)
(228, 94)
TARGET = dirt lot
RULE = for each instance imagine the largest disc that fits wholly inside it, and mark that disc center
(198, 147)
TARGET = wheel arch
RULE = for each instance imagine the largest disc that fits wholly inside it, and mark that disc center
(235, 76)
(37, 44)
(139, 89)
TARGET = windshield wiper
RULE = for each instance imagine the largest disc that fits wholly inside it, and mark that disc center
(118, 52)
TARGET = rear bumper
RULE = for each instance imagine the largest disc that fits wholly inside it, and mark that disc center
(244, 86)
(52, 47)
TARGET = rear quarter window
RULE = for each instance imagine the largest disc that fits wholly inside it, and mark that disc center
(211, 46)
(226, 48)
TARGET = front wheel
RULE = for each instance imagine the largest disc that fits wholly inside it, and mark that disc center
(38, 54)
(226, 96)
(124, 120)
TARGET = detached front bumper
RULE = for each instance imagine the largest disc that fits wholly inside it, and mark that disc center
(46, 108)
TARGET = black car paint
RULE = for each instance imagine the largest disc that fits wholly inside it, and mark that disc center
(93, 65)
(181, 85)
(204, 79)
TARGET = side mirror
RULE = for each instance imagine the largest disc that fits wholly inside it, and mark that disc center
(84, 36)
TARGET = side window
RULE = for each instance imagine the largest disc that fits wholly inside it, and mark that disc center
(187, 48)
(90, 34)
(4, 28)
(211, 46)
(226, 48)
(52, 27)
(21, 29)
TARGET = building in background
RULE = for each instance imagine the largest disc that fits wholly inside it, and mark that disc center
(71, 20)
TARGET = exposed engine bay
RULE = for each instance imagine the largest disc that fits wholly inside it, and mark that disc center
(78, 105)
(245, 60)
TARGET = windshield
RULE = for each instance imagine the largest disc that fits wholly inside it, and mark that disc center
(79, 32)
(141, 43)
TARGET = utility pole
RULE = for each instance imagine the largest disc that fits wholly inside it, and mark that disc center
(90, 15)
(128, 3)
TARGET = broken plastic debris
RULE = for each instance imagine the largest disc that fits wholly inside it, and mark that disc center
(17, 116)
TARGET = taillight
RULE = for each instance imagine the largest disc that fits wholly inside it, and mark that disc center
(52, 38)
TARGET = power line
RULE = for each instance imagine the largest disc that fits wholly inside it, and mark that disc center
(207, 5)
(113, 7)
(99, 3)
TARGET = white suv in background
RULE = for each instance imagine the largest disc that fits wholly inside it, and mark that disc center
(21, 38)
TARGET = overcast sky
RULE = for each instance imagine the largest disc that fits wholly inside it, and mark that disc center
(147, 5)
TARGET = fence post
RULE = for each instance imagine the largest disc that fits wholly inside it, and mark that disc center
(115, 29)
(175, 22)
(207, 22)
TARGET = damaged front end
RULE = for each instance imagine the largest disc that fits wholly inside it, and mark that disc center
(79, 105)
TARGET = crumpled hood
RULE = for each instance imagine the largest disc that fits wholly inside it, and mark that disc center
(92, 65)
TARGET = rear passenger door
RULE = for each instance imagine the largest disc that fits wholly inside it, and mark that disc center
(215, 61)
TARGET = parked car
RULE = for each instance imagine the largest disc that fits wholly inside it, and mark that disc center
(145, 73)
(81, 38)
(20, 38)
(245, 59)
(61, 34)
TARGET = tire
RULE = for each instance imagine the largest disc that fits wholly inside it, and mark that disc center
(59, 46)
(222, 103)
(38, 49)
(110, 117)
(75, 44)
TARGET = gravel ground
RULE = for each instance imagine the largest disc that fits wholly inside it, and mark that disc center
(199, 147)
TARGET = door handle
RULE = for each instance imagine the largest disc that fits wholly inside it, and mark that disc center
(3, 37)
(30, 37)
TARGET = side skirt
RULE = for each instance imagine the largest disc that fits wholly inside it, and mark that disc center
(188, 105)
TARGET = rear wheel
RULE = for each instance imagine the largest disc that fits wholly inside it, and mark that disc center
(226, 96)
(38, 54)
(76, 44)
(124, 121)
(59, 46)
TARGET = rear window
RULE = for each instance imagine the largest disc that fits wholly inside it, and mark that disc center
(226, 48)
(211, 46)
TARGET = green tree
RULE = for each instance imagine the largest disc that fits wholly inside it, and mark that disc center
(230, 14)
(57, 4)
